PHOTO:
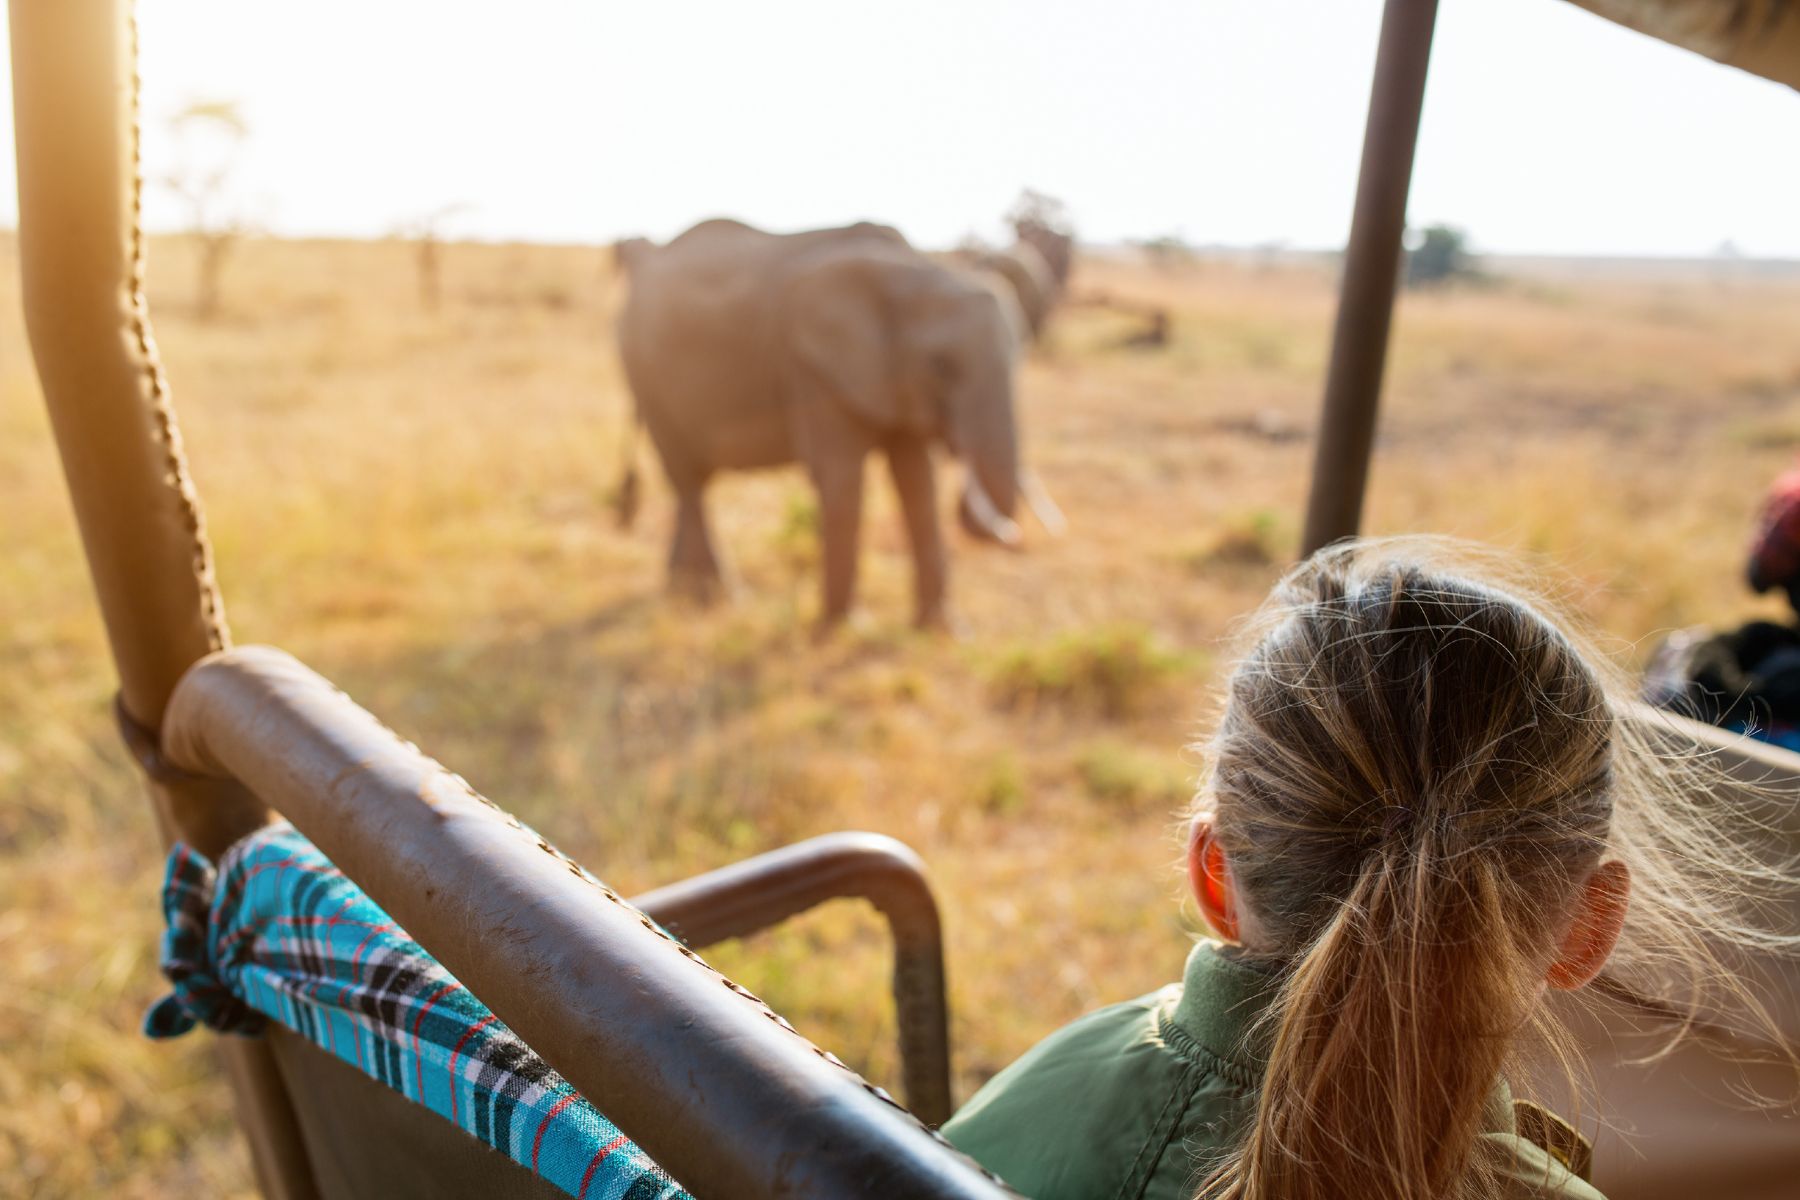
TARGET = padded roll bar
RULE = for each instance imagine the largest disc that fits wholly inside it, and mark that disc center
(81, 255)
(701, 1074)
(81, 259)
(752, 895)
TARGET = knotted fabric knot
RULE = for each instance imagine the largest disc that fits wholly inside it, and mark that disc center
(200, 996)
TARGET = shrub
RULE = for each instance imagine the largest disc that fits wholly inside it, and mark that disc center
(1442, 254)
(1113, 671)
(1000, 787)
(1253, 540)
(1127, 776)
(798, 539)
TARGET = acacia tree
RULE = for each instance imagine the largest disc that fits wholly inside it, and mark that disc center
(209, 138)
(1168, 251)
(1043, 221)
(1440, 255)
(1035, 208)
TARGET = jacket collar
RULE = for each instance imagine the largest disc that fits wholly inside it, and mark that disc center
(1221, 998)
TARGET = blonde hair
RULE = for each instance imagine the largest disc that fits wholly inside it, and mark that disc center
(1414, 773)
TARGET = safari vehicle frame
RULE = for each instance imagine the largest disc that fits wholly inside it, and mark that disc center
(710, 1082)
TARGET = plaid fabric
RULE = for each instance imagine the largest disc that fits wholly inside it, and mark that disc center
(1775, 552)
(278, 933)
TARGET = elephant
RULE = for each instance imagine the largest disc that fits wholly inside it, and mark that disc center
(1056, 245)
(1032, 282)
(746, 349)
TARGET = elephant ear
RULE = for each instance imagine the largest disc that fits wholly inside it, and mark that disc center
(852, 331)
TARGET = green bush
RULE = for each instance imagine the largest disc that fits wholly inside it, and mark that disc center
(1256, 539)
(1113, 671)
(1000, 786)
(1130, 777)
(1442, 254)
(797, 540)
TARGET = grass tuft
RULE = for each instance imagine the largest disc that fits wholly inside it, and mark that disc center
(1130, 777)
(1113, 672)
(1255, 539)
(1000, 785)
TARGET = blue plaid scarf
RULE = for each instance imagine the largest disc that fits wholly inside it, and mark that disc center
(278, 933)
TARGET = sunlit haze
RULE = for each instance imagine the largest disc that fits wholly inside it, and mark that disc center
(1222, 121)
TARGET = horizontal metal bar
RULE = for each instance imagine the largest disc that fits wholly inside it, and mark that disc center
(749, 896)
(1764, 768)
(706, 1078)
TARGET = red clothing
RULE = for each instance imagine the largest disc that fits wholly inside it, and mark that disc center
(1775, 553)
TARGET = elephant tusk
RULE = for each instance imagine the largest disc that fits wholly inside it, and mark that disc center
(990, 520)
(1042, 506)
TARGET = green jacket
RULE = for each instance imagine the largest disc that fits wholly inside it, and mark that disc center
(1132, 1102)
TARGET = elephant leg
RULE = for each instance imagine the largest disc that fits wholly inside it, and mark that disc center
(839, 479)
(915, 480)
(693, 565)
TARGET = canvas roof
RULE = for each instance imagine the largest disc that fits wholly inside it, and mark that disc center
(1759, 36)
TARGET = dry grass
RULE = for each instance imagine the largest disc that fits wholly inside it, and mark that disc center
(415, 504)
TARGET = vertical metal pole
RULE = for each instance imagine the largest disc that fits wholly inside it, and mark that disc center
(81, 255)
(1365, 310)
(81, 262)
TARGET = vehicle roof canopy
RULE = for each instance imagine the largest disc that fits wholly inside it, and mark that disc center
(1759, 36)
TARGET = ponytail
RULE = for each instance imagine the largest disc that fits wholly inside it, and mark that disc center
(1386, 1041)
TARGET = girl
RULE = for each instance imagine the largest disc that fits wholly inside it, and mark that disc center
(1422, 813)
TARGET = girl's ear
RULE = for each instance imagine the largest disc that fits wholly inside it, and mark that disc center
(1600, 907)
(1210, 877)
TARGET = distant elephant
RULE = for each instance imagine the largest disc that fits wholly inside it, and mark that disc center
(1029, 276)
(1055, 244)
(747, 349)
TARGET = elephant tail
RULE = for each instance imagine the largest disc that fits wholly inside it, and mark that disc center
(628, 493)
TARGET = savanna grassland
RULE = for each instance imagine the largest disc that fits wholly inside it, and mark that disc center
(415, 502)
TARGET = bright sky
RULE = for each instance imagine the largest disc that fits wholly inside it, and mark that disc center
(1226, 121)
